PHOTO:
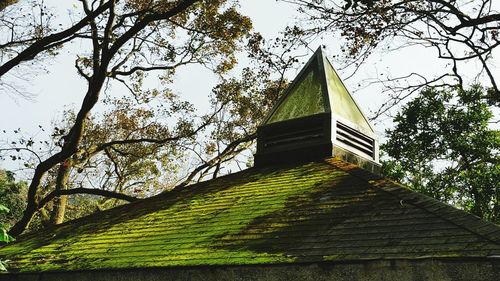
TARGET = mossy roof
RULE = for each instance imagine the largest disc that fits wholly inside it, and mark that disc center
(322, 211)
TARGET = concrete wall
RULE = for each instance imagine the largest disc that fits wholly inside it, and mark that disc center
(400, 270)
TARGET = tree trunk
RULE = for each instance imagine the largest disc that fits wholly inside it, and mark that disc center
(59, 203)
(57, 214)
(69, 148)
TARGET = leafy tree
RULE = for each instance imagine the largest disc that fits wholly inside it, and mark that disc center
(12, 197)
(461, 32)
(244, 100)
(123, 41)
(442, 145)
(6, 3)
(244, 103)
(4, 236)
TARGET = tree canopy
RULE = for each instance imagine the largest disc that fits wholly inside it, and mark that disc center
(12, 197)
(122, 41)
(442, 145)
(459, 33)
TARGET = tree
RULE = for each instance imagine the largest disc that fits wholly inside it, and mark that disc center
(125, 40)
(106, 165)
(4, 236)
(244, 103)
(6, 3)
(12, 197)
(461, 33)
(441, 145)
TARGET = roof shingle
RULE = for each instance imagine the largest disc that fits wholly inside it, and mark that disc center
(324, 211)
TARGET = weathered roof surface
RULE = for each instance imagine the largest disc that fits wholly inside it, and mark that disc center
(325, 211)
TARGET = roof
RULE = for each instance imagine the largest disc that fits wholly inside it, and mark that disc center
(321, 211)
(313, 117)
(318, 89)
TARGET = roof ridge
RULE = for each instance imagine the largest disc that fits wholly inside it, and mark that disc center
(460, 218)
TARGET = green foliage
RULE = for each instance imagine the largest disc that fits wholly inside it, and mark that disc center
(11, 206)
(442, 146)
(4, 209)
(2, 267)
(4, 236)
(12, 198)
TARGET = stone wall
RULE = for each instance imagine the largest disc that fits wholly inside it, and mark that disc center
(397, 270)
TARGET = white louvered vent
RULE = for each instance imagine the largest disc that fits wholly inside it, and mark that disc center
(355, 140)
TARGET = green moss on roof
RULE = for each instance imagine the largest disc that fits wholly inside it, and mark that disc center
(313, 212)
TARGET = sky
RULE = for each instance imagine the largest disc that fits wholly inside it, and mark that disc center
(57, 88)
(60, 88)
(50, 93)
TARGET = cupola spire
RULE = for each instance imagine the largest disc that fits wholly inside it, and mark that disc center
(316, 118)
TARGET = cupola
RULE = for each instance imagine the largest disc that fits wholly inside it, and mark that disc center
(317, 118)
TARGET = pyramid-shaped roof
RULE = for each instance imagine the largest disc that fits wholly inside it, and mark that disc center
(327, 211)
(318, 89)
